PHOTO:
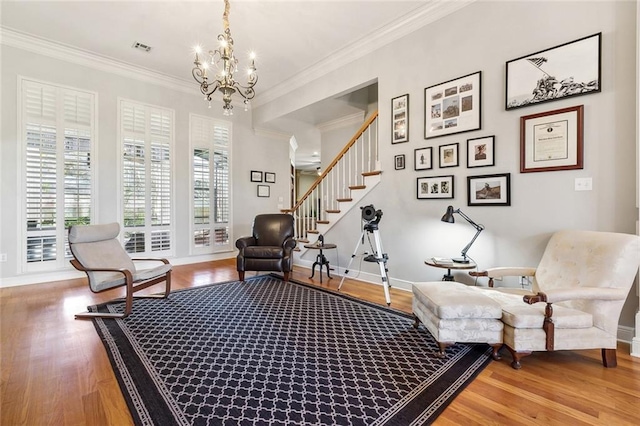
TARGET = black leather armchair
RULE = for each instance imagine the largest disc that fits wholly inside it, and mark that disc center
(270, 247)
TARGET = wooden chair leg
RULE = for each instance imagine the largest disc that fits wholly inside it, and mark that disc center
(517, 356)
(496, 349)
(241, 275)
(286, 276)
(443, 347)
(416, 322)
(609, 358)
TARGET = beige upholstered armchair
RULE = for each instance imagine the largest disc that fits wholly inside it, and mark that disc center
(270, 246)
(579, 288)
(98, 253)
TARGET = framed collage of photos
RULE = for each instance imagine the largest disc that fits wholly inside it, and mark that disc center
(452, 107)
(435, 187)
(400, 119)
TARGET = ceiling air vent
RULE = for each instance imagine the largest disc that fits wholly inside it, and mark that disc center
(140, 46)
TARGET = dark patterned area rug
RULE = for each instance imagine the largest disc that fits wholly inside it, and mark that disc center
(266, 352)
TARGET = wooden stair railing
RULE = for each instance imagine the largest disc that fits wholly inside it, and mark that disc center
(357, 159)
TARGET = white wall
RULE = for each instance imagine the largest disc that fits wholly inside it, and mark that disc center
(250, 152)
(482, 37)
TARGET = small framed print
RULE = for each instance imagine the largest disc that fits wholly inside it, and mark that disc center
(422, 158)
(399, 161)
(453, 106)
(435, 187)
(552, 140)
(449, 155)
(269, 177)
(256, 176)
(400, 119)
(480, 152)
(264, 191)
(489, 190)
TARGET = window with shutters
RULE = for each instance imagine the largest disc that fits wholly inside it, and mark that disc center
(211, 184)
(57, 133)
(146, 134)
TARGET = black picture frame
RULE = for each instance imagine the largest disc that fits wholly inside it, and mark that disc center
(399, 161)
(435, 187)
(269, 177)
(489, 190)
(256, 176)
(449, 155)
(481, 152)
(264, 191)
(559, 72)
(453, 106)
(400, 119)
(423, 158)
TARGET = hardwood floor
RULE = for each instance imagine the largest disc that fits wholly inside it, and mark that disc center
(55, 370)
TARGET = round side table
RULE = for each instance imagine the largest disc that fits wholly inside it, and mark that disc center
(448, 264)
(321, 259)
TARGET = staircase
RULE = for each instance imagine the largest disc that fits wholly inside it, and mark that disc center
(350, 176)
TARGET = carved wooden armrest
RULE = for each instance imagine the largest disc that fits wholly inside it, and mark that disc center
(547, 325)
(482, 274)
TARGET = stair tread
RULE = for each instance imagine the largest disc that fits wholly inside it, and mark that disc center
(312, 231)
(323, 222)
(332, 211)
(344, 200)
(372, 173)
(357, 186)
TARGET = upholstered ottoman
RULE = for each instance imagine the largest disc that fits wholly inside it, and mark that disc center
(454, 312)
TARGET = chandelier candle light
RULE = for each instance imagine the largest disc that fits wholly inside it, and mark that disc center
(223, 64)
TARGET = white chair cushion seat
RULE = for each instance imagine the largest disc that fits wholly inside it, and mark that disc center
(451, 300)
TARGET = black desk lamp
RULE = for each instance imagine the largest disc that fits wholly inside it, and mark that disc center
(448, 217)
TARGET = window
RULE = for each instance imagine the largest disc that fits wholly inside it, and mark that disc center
(57, 133)
(211, 184)
(146, 133)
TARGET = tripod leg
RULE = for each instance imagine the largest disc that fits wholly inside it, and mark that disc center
(382, 263)
(355, 252)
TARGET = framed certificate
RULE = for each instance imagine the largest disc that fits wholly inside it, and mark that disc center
(552, 140)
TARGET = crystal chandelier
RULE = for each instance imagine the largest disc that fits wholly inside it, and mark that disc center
(215, 71)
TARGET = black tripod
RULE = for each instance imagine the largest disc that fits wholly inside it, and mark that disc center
(378, 256)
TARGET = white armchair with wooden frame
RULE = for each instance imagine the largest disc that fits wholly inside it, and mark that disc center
(98, 252)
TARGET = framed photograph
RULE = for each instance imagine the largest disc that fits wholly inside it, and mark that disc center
(399, 161)
(422, 158)
(552, 140)
(256, 176)
(264, 191)
(480, 151)
(400, 119)
(489, 190)
(449, 155)
(269, 177)
(570, 69)
(452, 107)
(435, 187)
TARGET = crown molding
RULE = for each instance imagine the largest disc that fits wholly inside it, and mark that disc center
(272, 134)
(356, 118)
(19, 40)
(413, 21)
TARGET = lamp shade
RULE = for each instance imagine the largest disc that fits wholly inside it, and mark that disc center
(448, 216)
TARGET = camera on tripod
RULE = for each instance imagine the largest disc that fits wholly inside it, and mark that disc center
(371, 216)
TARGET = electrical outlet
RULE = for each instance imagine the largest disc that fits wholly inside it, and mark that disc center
(3, 257)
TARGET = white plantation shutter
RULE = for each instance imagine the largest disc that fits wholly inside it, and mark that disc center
(211, 184)
(57, 127)
(147, 140)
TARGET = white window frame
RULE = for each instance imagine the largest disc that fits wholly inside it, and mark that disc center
(212, 248)
(148, 228)
(62, 261)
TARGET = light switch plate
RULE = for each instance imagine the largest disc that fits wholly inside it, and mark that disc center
(583, 184)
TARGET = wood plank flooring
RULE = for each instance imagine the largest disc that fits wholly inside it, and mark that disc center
(55, 371)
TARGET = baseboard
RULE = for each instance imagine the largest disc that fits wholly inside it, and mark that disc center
(70, 273)
(360, 276)
(625, 334)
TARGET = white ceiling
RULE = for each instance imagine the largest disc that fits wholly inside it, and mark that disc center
(289, 36)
